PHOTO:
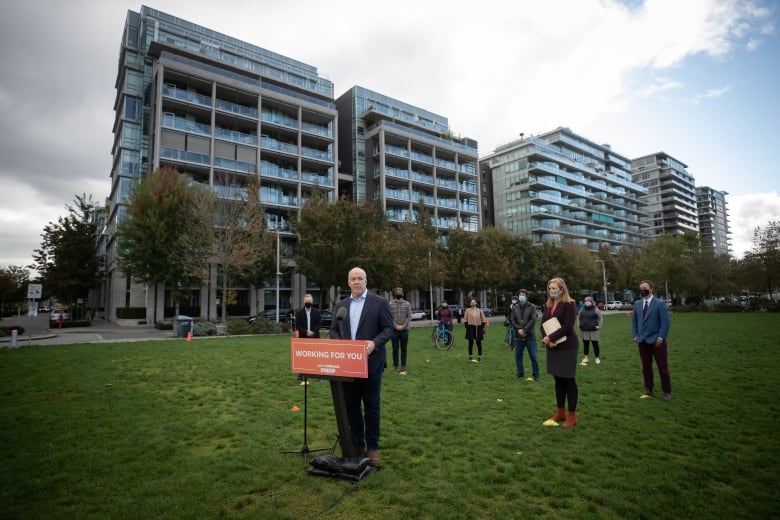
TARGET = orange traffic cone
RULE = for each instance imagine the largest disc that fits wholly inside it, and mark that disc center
(189, 335)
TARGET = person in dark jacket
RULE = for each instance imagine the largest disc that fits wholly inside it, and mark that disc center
(445, 316)
(591, 320)
(562, 348)
(522, 320)
(307, 324)
(368, 319)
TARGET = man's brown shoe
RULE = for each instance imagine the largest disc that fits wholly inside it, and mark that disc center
(358, 452)
(373, 456)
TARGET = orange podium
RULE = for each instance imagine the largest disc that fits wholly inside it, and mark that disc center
(336, 361)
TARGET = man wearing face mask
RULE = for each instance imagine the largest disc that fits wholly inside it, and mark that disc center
(650, 328)
(445, 316)
(401, 311)
(523, 319)
(307, 324)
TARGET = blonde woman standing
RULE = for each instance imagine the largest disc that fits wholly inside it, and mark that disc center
(561, 353)
(475, 321)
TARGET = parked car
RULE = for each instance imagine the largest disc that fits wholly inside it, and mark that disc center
(327, 318)
(615, 305)
(487, 311)
(600, 306)
(55, 315)
(270, 314)
(418, 314)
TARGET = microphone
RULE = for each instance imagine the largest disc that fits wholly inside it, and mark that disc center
(340, 315)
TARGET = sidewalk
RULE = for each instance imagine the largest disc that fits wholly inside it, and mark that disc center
(39, 331)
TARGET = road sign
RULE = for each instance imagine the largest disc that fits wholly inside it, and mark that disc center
(34, 291)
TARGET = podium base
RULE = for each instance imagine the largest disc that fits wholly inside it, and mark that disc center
(353, 469)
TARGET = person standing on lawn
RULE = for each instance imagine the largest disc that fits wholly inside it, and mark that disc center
(402, 317)
(475, 328)
(522, 321)
(650, 328)
(562, 357)
(307, 324)
(591, 320)
(369, 319)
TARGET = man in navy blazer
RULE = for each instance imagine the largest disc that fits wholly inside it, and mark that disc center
(368, 318)
(650, 329)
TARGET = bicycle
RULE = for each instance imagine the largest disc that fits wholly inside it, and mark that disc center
(509, 337)
(441, 338)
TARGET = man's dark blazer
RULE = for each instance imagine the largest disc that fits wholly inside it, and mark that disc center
(300, 322)
(376, 324)
(648, 327)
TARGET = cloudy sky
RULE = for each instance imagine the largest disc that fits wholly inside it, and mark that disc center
(697, 79)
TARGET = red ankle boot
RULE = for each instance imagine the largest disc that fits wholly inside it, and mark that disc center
(571, 420)
(560, 415)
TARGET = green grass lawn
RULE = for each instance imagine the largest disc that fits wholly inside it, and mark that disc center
(170, 429)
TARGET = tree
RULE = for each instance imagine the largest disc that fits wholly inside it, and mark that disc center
(664, 259)
(401, 254)
(763, 260)
(330, 237)
(229, 232)
(13, 282)
(151, 238)
(460, 255)
(68, 260)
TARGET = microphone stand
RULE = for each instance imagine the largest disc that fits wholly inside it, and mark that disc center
(305, 450)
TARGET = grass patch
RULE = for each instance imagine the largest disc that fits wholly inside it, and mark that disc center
(195, 430)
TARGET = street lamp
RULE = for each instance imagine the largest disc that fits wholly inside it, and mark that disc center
(278, 272)
(604, 276)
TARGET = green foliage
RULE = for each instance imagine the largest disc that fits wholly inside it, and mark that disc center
(237, 327)
(333, 239)
(7, 330)
(162, 430)
(204, 328)
(761, 265)
(68, 260)
(151, 238)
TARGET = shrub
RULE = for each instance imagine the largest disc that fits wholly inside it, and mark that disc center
(204, 328)
(239, 327)
(7, 330)
(263, 326)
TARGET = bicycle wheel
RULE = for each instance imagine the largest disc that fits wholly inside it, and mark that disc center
(434, 336)
(444, 340)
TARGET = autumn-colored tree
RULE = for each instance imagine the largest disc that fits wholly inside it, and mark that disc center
(227, 229)
(150, 239)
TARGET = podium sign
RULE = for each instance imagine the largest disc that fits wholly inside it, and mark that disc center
(328, 357)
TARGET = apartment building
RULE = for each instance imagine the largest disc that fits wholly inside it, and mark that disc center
(405, 155)
(670, 201)
(712, 210)
(562, 187)
(218, 110)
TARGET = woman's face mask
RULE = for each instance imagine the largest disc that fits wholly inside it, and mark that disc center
(522, 299)
(554, 293)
